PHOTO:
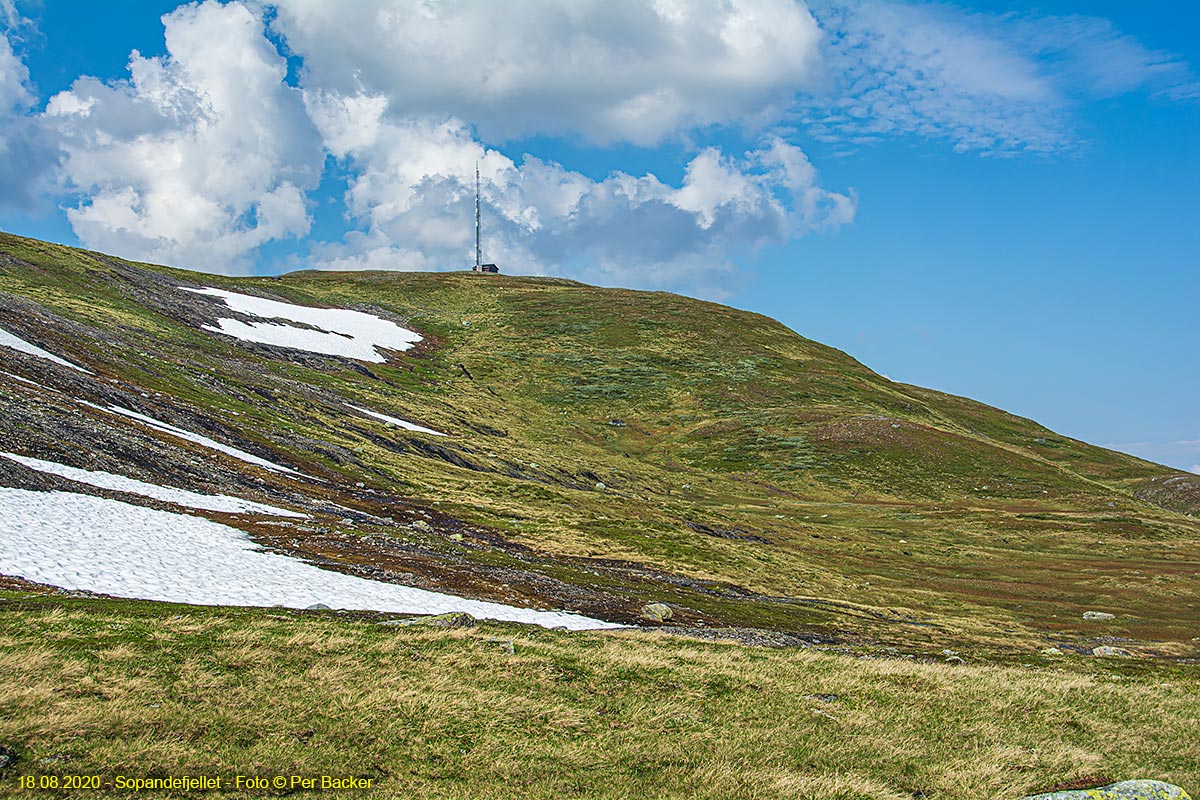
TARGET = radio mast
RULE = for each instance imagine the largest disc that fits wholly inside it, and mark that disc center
(478, 245)
(479, 265)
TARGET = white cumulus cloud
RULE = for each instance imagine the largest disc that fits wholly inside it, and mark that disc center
(203, 155)
(200, 156)
(412, 194)
(26, 152)
(626, 71)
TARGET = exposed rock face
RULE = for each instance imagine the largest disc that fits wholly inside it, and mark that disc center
(1127, 790)
(1177, 492)
(657, 612)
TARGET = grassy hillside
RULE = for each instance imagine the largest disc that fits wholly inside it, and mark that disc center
(610, 448)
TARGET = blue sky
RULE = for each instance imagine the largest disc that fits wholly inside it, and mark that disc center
(990, 199)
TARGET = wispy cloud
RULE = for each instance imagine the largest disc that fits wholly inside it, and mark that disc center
(994, 83)
(1179, 445)
(1178, 453)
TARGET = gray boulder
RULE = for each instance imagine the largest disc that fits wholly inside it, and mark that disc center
(1109, 650)
(1098, 616)
(1127, 790)
(455, 619)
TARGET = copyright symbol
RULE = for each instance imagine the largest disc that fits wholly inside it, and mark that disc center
(280, 781)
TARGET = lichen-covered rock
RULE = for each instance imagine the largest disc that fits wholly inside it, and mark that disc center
(657, 612)
(1098, 616)
(1127, 790)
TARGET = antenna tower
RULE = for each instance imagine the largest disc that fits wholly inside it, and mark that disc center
(478, 246)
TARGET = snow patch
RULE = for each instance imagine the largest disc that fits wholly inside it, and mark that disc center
(83, 542)
(411, 426)
(180, 497)
(341, 332)
(17, 343)
(249, 458)
(22, 380)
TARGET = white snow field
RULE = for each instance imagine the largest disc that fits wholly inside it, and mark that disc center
(411, 426)
(350, 334)
(17, 343)
(168, 494)
(242, 455)
(78, 541)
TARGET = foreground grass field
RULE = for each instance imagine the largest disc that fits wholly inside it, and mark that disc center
(140, 689)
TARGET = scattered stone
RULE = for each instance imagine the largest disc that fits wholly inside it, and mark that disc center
(1097, 616)
(505, 645)
(455, 619)
(617, 423)
(657, 612)
(1126, 790)
(1052, 651)
(600, 487)
(318, 607)
(8, 757)
(825, 698)
(1109, 650)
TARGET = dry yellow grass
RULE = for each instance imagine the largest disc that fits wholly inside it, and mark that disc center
(447, 714)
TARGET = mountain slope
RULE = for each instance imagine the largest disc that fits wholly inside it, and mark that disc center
(603, 448)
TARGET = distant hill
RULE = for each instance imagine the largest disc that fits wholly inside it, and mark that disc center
(548, 444)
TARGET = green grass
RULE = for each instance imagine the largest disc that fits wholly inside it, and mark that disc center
(142, 689)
